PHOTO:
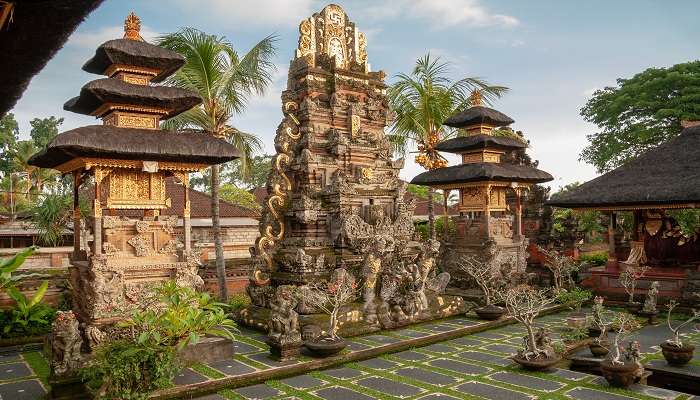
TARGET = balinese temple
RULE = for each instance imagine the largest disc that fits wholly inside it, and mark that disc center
(126, 161)
(646, 189)
(484, 183)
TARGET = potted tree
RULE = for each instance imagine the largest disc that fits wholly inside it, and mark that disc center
(575, 297)
(561, 266)
(622, 367)
(483, 274)
(524, 304)
(328, 297)
(598, 329)
(628, 280)
(675, 351)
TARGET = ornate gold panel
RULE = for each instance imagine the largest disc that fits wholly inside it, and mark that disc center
(134, 189)
(131, 120)
(87, 163)
(482, 156)
(136, 79)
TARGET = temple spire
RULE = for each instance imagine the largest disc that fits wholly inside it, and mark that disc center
(132, 27)
(475, 98)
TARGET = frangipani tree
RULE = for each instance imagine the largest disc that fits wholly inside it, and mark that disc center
(525, 303)
(483, 273)
(629, 278)
(560, 265)
(329, 296)
(676, 339)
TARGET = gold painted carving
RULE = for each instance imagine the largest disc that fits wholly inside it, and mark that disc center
(88, 163)
(482, 156)
(132, 27)
(122, 68)
(355, 125)
(131, 120)
(134, 189)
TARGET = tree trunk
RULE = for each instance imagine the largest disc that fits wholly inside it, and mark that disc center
(446, 227)
(431, 214)
(216, 228)
(532, 345)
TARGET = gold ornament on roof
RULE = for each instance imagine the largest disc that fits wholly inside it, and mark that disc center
(132, 27)
(475, 99)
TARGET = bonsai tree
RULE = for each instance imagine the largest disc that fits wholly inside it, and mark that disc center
(676, 339)
(560, 266)
(625, 324)
(629, 278)
(524, 303)
(329, 296)
(483, 274)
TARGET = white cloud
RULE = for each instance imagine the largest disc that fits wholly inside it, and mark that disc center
(92, 39)
(258, 12)
(442, 13)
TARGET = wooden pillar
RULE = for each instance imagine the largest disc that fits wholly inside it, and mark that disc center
(636, 221)
(487, 212)
(97, 214)
(446, 230)
(187, 225)
(612, 257)
(518, 216)
(76, 213)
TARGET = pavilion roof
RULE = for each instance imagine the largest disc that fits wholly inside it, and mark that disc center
(107, 141)
(477, 115)
(135, 53)
(481, 172)
(477, 142)
(38, 29)
(96, 93)
(666, 176)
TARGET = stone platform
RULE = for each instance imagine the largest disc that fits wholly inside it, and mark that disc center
(351, 317)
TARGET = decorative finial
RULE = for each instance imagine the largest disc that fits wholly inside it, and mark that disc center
(132, 27)
(475, 98)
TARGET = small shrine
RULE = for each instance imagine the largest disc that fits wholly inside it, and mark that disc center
(125, 161)
(488, 224)
(646, 189)
(335, 198)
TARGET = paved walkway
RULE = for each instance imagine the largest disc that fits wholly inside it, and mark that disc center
(472, 366)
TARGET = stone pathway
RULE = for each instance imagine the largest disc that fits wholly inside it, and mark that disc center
(473, 366)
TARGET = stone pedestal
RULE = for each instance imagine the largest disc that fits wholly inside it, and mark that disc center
(285, 348)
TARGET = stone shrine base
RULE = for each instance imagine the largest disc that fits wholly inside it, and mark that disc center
(351, 317)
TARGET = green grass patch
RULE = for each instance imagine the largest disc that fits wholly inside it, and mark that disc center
(38, 364)
(207, 371)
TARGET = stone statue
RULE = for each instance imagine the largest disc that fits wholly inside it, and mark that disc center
(650, 301)
(371, 269)
(65, 341)
(284, 337)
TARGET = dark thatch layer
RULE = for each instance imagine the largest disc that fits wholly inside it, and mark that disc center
(135, 53)
(477, 142)
(668, 174)
(478, 115)
(475, 172)
(37, 31)
(112, 90)
(134, 144)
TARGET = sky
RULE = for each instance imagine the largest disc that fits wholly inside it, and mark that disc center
(552, 55)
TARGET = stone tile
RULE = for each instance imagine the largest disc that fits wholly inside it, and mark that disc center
(389, 387)
(356, 346)
(485, 357)
(188, 376)
(383, 339)
(341, 393)
(570, 375)
(412, 334)
(267, 359)
(459, 367)
(303, 382)
(260, 391)
(440, 327)
(440, 348)
(14, 371)
(462, 322)
(489, 335)
(211, 397)
(491, 392)
(245, 348)
(437, 396)
(411, 355)
(232, 367)
(24, 390)
(466, 341)
(527, 381)
(502, 348)
(378, 363)
(426, 376)
(650, 391)
(342, 373)
(581, 393)
(9, 357)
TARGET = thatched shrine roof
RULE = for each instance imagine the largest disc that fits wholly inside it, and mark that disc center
(106, 141)
(481, 172)
(38, 29)
(666, 176)
(477, 142)
(110, 90)
(477, 115)
(135, 53)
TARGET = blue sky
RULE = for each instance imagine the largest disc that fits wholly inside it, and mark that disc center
(552, 54)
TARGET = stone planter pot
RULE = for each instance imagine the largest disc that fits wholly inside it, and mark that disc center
(536, 364)
(633, 307)
(490, 312)
(576, 321)
(621, 376)
(677, 356)
(594, 331)
(324, 346)
(599, 349)
(649, 315)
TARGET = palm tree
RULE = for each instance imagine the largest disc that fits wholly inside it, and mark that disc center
(24, 150)
(225, 81)
(421, 102)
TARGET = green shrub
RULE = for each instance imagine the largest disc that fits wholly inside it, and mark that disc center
(28, 317)
(574, 335)
(238, 301)
(575, 296)
(594, 259)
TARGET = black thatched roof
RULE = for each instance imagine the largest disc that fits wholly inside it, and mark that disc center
(112, 90)
(37, 31)
(478, 115)
(474, 172)
(134, 144)
(135, 53)
(477, 142)
(668, 174)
